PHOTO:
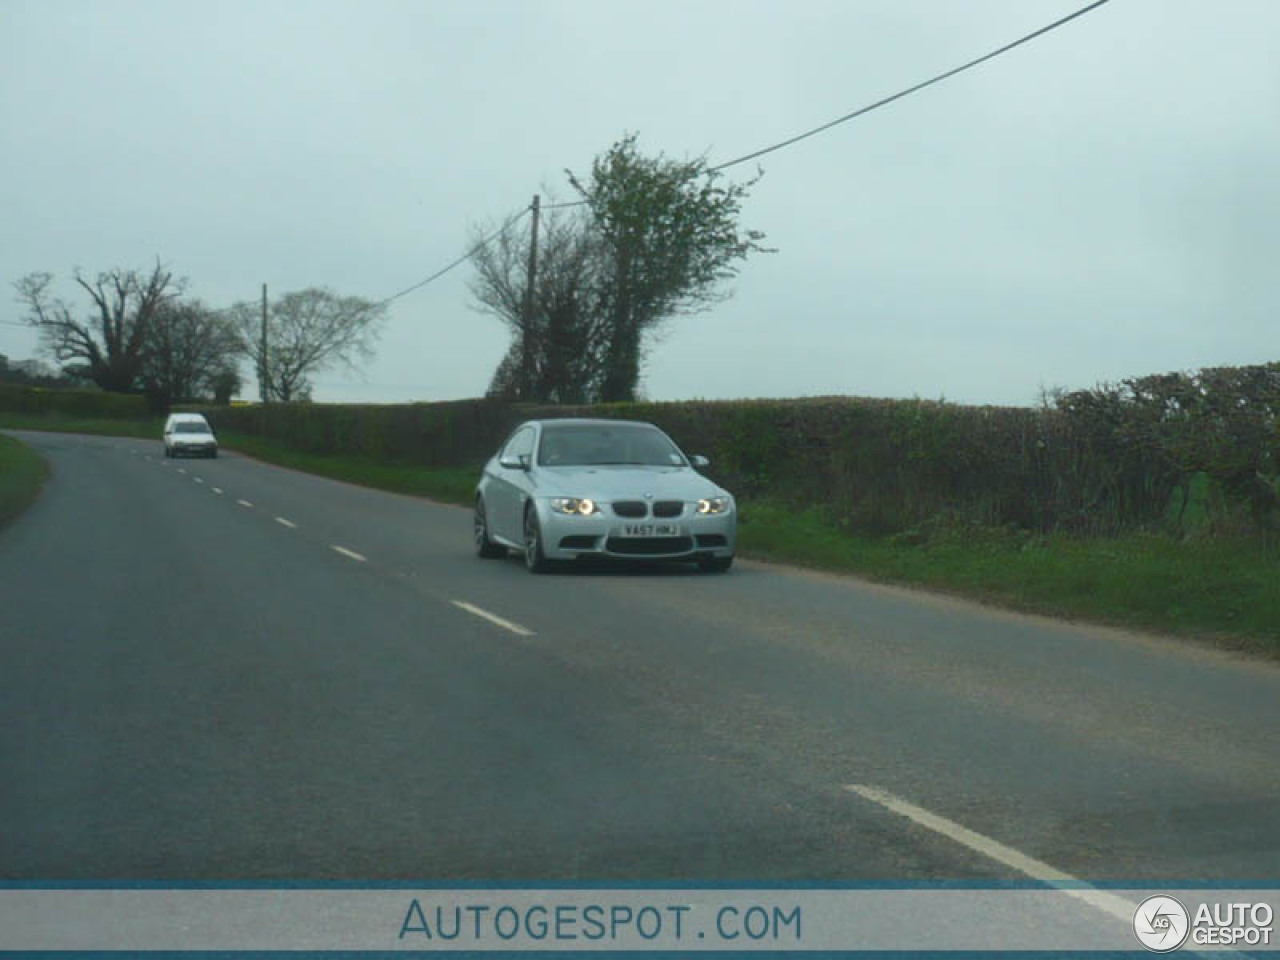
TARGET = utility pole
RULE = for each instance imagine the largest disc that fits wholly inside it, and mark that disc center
(526, 338)
(262, 367)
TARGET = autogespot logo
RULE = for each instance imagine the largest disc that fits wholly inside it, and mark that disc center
(1161, 924)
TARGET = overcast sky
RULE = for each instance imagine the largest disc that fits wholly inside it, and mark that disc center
(1102, 202)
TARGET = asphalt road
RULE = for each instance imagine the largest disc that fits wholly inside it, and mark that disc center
(196, 683)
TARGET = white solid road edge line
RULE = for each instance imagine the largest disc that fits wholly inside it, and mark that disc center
(1109, 903)
(348, 553)
(493, 618)
(244, 503)
(286, 523)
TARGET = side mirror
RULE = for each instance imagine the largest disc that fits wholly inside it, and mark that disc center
(519, 463)
(699, 461)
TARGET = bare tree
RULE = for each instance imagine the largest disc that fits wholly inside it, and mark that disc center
(110, 348)
(557, 353)
(189, 346)
(307, 331)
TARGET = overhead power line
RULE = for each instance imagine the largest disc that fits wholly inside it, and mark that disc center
(910, 90)
(861, 111)
(511, 221)
(885, 101)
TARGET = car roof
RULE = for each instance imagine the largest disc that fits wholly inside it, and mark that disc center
(589, 422)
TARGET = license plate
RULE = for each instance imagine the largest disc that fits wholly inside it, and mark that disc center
(651, 529)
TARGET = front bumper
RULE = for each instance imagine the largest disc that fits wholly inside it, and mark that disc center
(567, 537)
(192, 449)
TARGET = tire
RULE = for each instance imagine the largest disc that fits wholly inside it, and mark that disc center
(213, 455)
(534, 559)
(715, 564)
(485, 547)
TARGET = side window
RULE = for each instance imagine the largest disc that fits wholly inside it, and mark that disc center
(520, 445)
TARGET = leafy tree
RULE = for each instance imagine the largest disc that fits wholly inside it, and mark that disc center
(109, 349)
(189, 346)
(225, 384)
(307, 331)
(657, 238)
(670, 239)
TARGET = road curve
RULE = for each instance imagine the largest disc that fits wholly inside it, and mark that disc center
(226, 670)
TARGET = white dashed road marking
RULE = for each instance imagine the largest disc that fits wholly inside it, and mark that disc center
(286, 523)
(349, 553)
(244, 503)
(1108, 903)
(197, 479)
(217, 489)
(493, 618)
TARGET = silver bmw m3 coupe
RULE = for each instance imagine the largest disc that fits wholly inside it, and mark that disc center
(563, 489)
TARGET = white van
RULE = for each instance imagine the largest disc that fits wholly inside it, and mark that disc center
(189, 434)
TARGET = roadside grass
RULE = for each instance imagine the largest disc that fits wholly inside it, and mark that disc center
(22, 474)
(1226, 591)
(1223, 590)
(447, 486)
(150, 428)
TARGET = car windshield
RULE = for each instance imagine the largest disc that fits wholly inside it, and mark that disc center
(600, 445)
(190, 427)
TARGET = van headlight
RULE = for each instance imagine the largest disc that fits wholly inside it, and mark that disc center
(574, 505)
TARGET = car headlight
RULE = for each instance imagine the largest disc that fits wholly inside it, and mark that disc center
(574, 505)
(713, 505)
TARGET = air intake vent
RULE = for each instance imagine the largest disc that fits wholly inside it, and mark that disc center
(649, 546)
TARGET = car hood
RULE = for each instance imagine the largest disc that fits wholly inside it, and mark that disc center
(625, 483)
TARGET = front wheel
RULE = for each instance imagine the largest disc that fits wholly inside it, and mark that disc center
(485, 547)
(534, 559)
(715, 564)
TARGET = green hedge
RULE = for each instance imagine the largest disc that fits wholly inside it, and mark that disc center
(878, 466)
(71, 403)
(1109, 460)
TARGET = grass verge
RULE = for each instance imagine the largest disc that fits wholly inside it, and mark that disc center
(150, 428)
(1225, 591)
(22, 474)
(448, 486)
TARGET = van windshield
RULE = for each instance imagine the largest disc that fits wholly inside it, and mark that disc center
(190, 427)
